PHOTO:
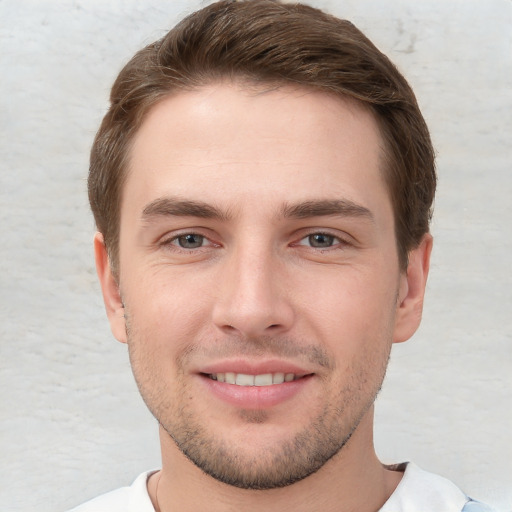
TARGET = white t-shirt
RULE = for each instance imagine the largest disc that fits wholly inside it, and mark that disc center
(418, 491)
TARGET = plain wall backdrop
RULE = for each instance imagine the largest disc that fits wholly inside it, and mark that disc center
(72, 424)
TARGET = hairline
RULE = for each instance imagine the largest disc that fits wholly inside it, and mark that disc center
(256, 86)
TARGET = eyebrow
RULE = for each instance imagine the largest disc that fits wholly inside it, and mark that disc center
(176, 207)
(172, 206)
(326, 208)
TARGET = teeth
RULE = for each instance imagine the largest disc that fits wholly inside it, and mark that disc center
(242, 379)
(278, 378)
(263, 380)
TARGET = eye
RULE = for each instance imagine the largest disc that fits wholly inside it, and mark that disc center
(320, 240)
(189, 241)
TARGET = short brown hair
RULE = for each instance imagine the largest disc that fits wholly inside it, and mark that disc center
(270, 43)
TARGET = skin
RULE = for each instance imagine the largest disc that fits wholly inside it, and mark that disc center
(290, 259)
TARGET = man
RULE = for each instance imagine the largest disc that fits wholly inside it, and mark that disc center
(262, 186)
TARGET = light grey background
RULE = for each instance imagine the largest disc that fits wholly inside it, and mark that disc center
(71, 422)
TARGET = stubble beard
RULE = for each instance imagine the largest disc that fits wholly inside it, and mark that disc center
(280, 466)
(292, 460)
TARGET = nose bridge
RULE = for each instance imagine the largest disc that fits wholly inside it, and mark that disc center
(250, 298)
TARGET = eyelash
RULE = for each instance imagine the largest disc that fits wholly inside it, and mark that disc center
(336, 242)
(174, 241)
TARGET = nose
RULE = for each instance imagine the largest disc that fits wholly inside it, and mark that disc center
(252, 298)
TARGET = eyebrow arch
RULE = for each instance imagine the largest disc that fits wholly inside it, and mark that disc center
(173, 206)
(324, 208)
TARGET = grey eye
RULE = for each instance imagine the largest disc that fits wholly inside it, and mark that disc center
(321, 240)
(190, 241)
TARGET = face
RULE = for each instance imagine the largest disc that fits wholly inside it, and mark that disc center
(259, 285)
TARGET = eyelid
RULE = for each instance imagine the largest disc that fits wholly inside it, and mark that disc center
(342, 238)
(169, 238)
(175, 241)
(337, 241)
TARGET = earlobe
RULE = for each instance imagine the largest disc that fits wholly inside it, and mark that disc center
(110, 289)
(412, 291)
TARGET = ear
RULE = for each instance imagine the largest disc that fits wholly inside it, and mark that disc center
(412, 291)
(110, 289)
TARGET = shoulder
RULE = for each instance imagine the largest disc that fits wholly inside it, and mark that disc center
(420, 490)
(113, 501)
(126, 499)
(476, 506)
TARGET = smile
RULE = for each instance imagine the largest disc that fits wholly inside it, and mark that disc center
(242, 379)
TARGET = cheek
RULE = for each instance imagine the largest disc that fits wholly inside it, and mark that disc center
(167, 309)
(350, 296)
(352, 313)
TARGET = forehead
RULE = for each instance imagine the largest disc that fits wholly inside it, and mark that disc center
(225, 142)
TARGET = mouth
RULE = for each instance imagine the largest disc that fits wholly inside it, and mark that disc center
(256, 388)
(264, 379)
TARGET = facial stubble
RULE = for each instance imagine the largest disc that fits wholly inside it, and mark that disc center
(295, 458)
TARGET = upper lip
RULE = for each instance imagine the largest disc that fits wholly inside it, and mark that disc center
(253, 367)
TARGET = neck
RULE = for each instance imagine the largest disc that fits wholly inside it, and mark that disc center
(353, 480)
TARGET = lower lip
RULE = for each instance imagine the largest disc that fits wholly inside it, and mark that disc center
(256, 397)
